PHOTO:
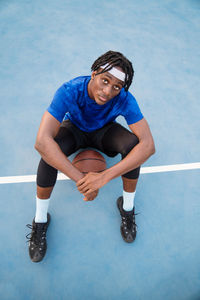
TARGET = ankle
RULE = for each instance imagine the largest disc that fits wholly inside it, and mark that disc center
(41, 210)
(128, 201)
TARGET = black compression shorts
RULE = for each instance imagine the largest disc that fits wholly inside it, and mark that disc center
(111, 139)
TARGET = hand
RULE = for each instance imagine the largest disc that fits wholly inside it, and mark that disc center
(91, 196)
(90, 183)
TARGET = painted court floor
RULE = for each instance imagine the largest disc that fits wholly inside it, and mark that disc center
(44, 44)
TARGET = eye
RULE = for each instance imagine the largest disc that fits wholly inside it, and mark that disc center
(104, 80)
(116, 87)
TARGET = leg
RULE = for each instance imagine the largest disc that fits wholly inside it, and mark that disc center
(130, 180)
(44, 193)
(46, 174)
(46, 179)
(120, 140)
(129, 185)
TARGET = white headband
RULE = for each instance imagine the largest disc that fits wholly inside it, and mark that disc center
(115, 72)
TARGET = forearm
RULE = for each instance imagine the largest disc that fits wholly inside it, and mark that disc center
(136, 157)
(52, 154)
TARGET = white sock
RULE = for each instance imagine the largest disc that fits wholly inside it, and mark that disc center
(41, 210)
(128, 200)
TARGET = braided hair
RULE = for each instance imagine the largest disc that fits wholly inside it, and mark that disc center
(115, 59)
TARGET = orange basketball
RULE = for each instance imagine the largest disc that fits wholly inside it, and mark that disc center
(89, 161)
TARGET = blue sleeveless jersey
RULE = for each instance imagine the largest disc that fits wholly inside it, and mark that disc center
(71, 101)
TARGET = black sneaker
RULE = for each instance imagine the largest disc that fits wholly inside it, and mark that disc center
(37, 239)
(128, 227)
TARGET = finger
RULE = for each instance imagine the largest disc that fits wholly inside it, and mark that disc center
(85, 187)
(87, 199)
(88, 192)
(82, 186)
(81, 181)
(83, 190)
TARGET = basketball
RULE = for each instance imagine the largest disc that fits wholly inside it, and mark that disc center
(89, 161)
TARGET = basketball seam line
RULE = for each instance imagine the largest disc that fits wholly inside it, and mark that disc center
(94, 171)
(88, 159)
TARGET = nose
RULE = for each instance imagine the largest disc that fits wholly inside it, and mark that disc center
(107, 91)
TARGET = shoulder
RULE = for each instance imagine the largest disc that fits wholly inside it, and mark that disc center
(126, 98)
(130, 108)
(76, 84)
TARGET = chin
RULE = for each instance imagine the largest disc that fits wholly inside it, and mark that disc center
(99, 102)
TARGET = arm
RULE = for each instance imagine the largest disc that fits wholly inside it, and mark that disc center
(137, 156)
(50, 150)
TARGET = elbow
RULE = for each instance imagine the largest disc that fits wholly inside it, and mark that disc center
(153, 151)
(39, 146)
(42, 144)
(152, 148)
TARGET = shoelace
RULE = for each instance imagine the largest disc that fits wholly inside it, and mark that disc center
(129, 219)
(38, 234)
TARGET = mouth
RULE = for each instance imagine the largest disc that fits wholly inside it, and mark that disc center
(103, 98)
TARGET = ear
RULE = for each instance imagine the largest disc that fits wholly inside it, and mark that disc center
(93, 74)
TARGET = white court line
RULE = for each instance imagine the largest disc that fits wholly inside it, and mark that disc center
(144, 170)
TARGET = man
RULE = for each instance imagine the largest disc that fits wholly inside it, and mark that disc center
(82, 114)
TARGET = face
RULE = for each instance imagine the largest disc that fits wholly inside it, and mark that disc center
(103, 87)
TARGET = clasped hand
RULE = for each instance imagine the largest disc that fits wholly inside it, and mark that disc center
(90, 184)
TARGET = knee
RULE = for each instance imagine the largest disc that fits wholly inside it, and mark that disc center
(66, 141)
(46, 175)
(129, 145)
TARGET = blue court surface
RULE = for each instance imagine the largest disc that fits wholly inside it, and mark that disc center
(45, 43)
